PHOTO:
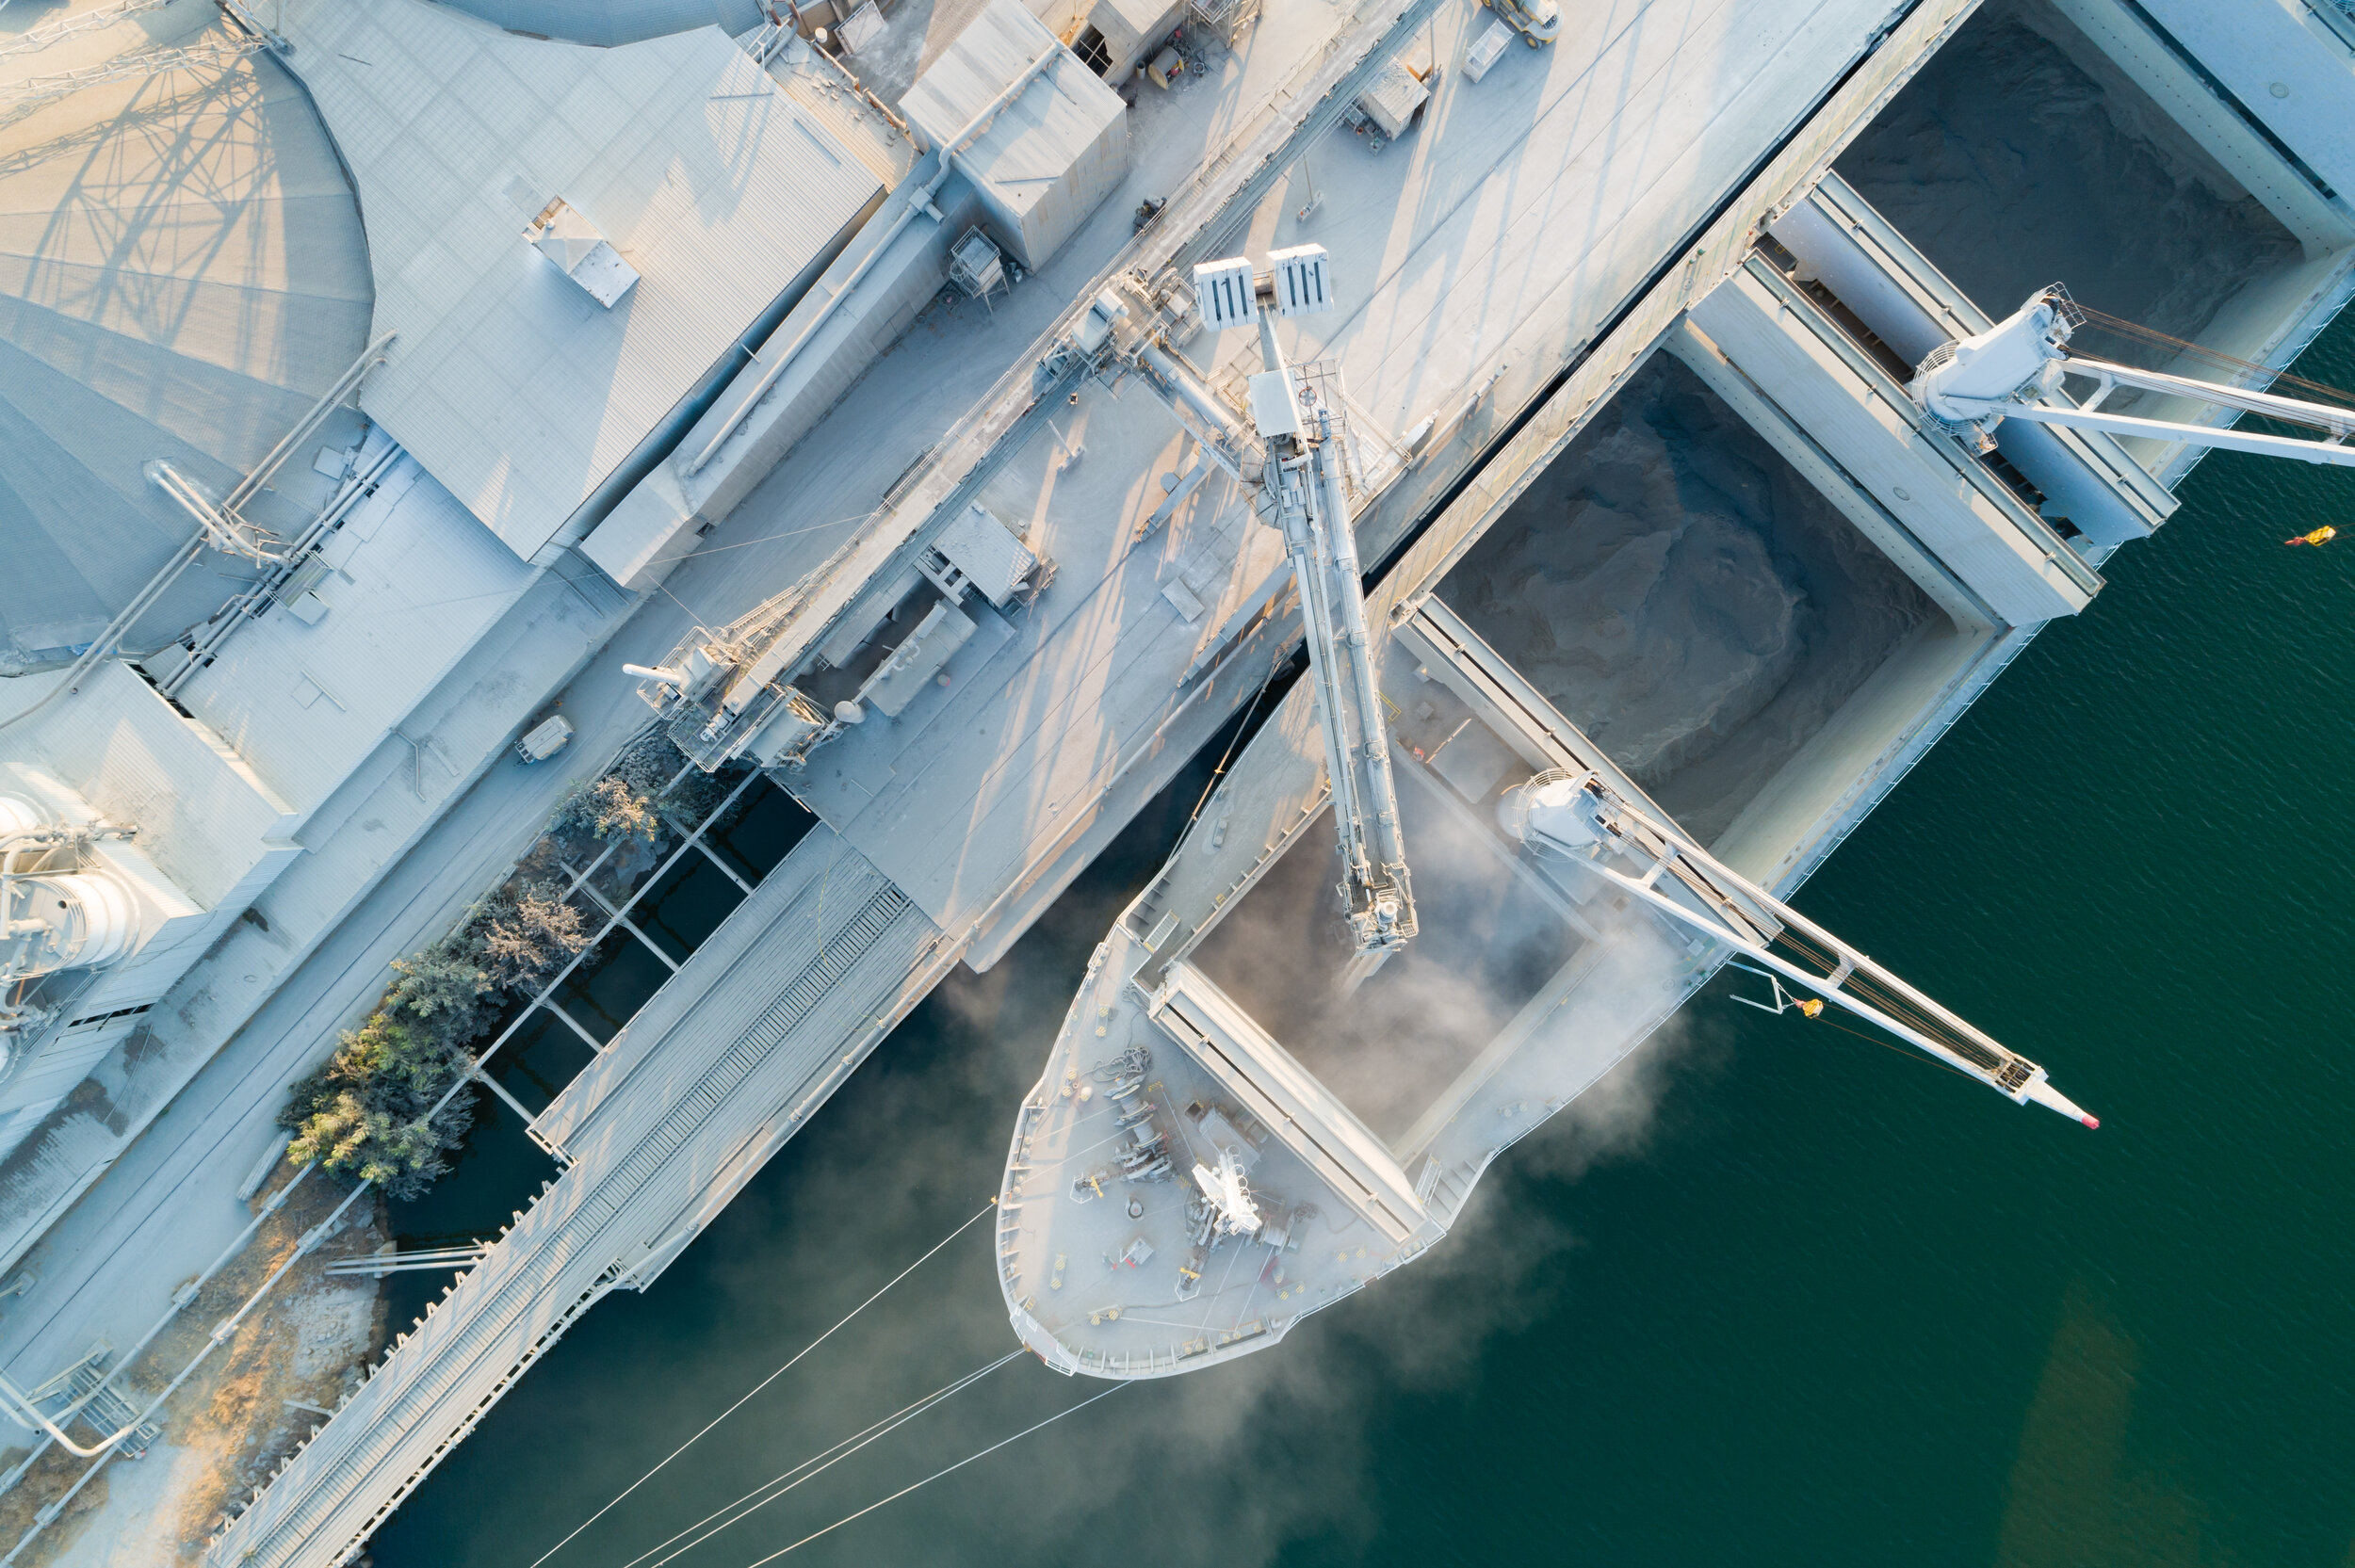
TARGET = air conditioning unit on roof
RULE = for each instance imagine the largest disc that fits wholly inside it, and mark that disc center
(572, 242)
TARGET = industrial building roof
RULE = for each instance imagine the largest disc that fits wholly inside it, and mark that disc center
(410, 583)
(606, 23)
(1035, 138)
(508, 382)
(182, 273)
(205, 818)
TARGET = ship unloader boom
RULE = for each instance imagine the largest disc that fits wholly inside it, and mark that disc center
(1579, 820)
(1306, 484)
(1975, 383)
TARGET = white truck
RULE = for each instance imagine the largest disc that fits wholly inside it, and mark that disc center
(545, 739)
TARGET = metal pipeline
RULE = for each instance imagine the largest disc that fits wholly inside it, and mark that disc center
(237, 610)
(180, 1301)
(19, 1404)
(1176, 381)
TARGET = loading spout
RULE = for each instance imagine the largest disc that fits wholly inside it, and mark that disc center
(1350, 650)
(1575, 819)
(1304, 480)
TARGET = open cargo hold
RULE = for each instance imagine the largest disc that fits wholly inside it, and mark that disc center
(2046, 129)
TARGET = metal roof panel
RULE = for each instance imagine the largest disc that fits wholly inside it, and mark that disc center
(508, 382)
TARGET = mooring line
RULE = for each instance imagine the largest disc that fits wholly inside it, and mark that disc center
(813, 1465)
(759, 1386)
(960, 1464)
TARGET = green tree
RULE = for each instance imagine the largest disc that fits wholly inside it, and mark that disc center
(369, 1113)
(528, 934)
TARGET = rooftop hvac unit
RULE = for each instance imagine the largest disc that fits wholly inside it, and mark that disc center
(1391, 102)
(573, 243)
(987, 552)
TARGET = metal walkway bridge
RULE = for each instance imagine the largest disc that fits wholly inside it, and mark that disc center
(803, 982)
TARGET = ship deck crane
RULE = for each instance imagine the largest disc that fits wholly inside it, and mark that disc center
(1976, 382)
(1575, 818)
(1304, 482)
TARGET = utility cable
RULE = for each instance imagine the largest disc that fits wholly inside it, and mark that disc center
(759, 1386)
(765, 539)
(1908, 1055)
(816, 1463)
(960, 1464)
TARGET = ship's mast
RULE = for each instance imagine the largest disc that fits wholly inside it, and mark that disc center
(1306, 481)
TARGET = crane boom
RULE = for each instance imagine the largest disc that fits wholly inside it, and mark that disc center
(1581, 821)
(1304, 481)
(2006, 371)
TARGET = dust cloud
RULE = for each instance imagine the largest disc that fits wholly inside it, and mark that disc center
(1234, 1466)
(1487, 943)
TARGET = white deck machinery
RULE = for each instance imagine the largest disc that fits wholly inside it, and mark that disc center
(2015, 370)
(1303, 484)
(1576, 821)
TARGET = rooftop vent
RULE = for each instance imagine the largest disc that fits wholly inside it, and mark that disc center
(588, 258)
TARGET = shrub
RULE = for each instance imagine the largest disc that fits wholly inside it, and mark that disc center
(444, 985)
(366, 1112)
(527, 936)
(649, 762)
(608, 808)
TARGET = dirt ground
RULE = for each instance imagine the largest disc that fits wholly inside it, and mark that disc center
(246, 1408)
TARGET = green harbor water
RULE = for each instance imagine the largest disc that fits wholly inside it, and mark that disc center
(1782, 1296)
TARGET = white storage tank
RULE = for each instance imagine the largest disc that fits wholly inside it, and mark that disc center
(70, 915)
(69, 920)
(17, 816)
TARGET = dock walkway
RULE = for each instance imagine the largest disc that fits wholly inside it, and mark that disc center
(808, 974)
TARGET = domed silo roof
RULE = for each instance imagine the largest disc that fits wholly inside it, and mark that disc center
(183, 273)
(607, 23)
